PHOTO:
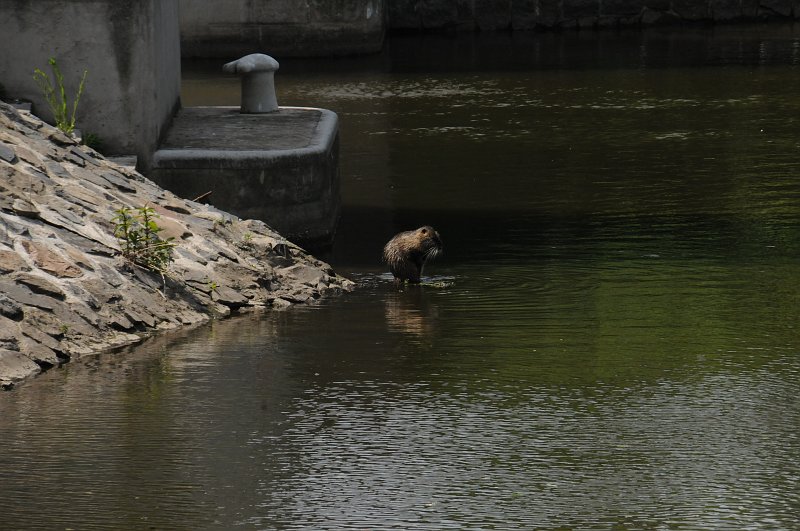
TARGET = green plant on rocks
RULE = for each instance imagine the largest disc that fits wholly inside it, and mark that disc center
(246, 242)
(138, 235)
(56, 96)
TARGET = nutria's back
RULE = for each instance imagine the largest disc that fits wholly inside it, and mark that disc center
(408, 251)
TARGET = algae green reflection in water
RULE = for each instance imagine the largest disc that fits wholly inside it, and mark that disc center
(610, 340)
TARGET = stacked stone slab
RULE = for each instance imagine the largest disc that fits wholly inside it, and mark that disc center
(65, 289)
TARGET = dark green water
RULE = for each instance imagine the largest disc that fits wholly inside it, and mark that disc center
(609, 342)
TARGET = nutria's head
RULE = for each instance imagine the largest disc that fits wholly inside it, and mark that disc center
(408, 251)
(430, 241)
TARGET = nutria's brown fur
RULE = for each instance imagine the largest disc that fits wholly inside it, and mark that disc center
(407, 252)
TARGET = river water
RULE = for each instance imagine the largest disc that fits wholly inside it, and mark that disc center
(610, 340)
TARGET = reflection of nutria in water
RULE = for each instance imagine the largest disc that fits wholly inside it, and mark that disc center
(407, 252)
(411, 312)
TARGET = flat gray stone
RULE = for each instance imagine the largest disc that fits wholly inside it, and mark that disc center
(7, 154)
(178, 207)
(303, 273)
(44, 356)
(118, 181)
(25, 209)
(140, 317)
(15, 366)
(41, 286)
(120, 322)
(280, 303)
(50, 261)
(228, 297)
(11, 262)
(9, 334)
(56, 169)
(78, 152)
(68, 195)
(75, 159)
(59, 138)
(189, 255)
(110, 276)
(10, 309)
(62, 218)
(25, 297)
(88, 313)
(41, 338)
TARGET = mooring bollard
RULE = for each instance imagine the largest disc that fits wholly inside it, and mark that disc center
(258, 82)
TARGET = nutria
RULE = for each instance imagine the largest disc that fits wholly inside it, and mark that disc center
(408, 251)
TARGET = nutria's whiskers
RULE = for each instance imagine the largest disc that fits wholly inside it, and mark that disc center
(408, 251)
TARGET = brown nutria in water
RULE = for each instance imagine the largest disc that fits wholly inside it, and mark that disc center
(407, 252)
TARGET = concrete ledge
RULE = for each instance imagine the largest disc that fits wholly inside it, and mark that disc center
(222, 135)
(279, 167)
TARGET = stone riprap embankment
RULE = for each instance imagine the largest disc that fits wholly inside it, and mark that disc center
(65, 288)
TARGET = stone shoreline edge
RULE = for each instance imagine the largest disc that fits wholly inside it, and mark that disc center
(65, 289)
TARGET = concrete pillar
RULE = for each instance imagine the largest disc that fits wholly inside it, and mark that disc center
(131, 51)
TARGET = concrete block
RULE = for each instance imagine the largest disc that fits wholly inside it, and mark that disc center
(281, 168)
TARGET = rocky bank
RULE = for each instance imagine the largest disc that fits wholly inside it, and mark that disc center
(67, 291)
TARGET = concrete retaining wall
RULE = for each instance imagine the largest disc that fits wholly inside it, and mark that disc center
(488, 15)
(131, 50)
(282, 28)
(335, 27)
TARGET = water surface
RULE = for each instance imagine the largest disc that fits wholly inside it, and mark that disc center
(609, 342)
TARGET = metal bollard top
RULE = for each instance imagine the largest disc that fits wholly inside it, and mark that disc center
(258, 82)
(255, 62)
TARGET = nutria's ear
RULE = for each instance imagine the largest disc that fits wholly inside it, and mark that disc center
(423, 230)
